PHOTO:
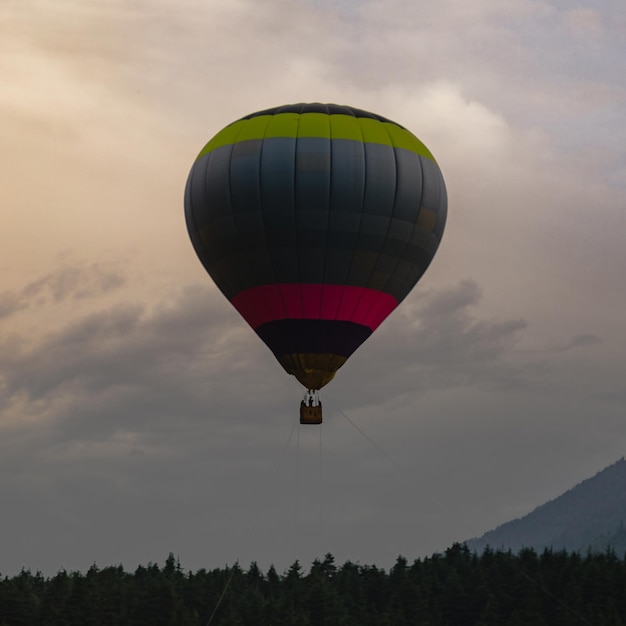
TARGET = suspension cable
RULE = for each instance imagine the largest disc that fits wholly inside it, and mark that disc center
(257, 520)
(405, 473)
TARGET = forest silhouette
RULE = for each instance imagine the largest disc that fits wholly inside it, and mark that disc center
(455, 588)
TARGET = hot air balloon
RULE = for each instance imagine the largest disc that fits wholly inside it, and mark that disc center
(315, 221)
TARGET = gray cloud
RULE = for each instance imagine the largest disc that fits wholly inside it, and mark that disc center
(439, 342)
(11, 302)
(72, 281)
(577, 341)
(171, 350)
(124, 346)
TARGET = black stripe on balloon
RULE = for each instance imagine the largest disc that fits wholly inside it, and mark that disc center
(313, 336)
(317, 107)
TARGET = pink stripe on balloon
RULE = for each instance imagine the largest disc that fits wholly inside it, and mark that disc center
(275, 301)
(311, 301)
(290, 294)
(349, 300)
(378, 311)
(331, 299)
(269, 303)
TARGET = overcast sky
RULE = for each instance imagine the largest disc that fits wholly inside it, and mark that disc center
(139, 415)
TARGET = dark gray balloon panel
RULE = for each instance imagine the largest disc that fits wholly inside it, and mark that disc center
(315, 210)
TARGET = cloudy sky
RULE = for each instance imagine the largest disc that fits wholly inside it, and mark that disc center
(139, 415)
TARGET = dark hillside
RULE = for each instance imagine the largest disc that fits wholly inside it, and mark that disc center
(589, 516)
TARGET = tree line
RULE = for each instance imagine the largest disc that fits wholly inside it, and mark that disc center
(454, 588)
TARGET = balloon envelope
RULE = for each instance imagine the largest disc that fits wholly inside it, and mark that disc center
(315, 221)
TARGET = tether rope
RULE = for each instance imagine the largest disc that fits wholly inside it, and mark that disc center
(257, 521)
(447, 509)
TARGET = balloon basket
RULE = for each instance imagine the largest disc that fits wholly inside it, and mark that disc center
(311, 408)
(310, 414)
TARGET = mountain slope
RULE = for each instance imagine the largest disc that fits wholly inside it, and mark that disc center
(588, 516)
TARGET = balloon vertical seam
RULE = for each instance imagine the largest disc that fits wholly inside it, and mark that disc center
(393, 208)
(236, 222)
(269, 248)
(362, 144)
(295, 215)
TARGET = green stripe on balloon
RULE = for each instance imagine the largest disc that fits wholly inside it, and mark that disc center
(320, 125)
